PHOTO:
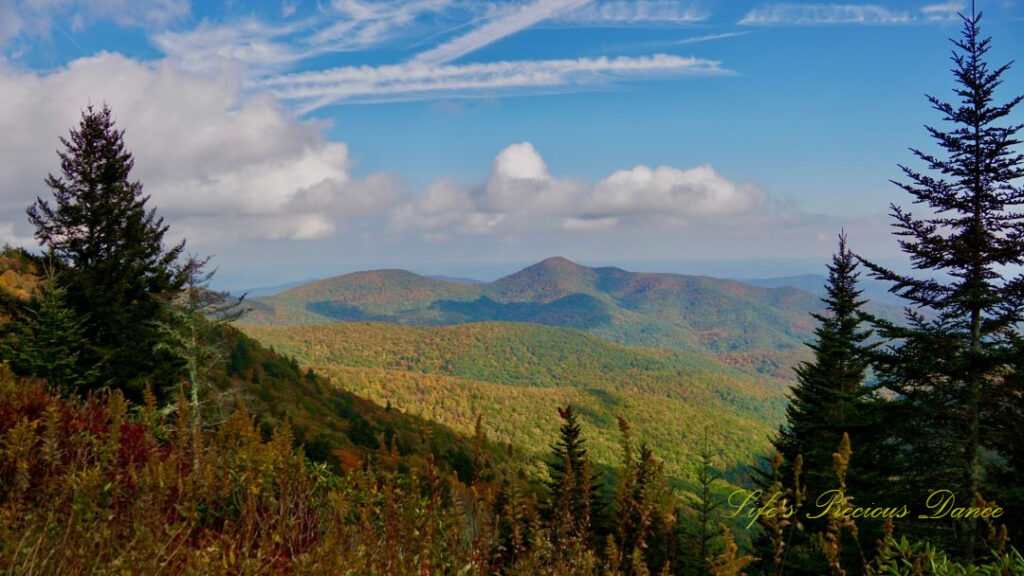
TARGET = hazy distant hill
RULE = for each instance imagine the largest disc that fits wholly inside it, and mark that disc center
(875, 291)
(270, 290)
(756, 326)
(457, 279)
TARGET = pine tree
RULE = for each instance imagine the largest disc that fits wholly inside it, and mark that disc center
(830, 399)
(950, 366)
(109, 248)
(703, 532)
(830, 396)
(49, 342)
(575, 492)
(645, 510)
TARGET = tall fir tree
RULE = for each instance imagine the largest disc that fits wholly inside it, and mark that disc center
(830, 396)
(830, 399)
(703, 532)
(109, 249)
(951, 367)
(575, 507)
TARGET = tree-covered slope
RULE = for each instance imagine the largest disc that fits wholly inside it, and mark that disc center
(515, 375)
(335, 425)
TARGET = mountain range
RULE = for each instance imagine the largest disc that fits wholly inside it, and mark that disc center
(683, 355)
(759, 327)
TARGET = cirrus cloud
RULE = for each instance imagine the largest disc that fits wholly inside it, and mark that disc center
(816, 14)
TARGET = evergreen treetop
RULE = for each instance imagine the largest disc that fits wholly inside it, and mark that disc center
(949, 366)
(575, 491)
(109, 247)
(830, 394)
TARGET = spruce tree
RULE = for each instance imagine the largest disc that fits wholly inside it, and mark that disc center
(48, 343)
(703, 532)
(830, 396)
(109, 249)
(950, 367)
(575, 492)
(830, 399)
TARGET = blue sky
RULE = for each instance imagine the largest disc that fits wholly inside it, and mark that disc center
(302, 139)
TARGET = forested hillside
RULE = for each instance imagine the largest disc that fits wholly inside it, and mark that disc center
(515, 374)
(334, 425)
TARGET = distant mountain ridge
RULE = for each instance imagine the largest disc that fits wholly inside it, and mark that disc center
(875, 291)
(755, 326)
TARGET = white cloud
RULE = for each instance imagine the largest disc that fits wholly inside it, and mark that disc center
(621, 12)
(232, 165)
(817, 14)
(520, 184)
(709, 38)
(264, 48)
(505, 24)
(38, 17)
(247, 42)
(520, 162)
(411, 81)
(364, 24)
(694, 193)
(943, 12)
(522, 195)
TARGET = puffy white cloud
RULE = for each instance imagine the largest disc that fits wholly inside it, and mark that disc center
(210, 156)
(522, 195)
(693, 193)
(520, 183)
(519, 162)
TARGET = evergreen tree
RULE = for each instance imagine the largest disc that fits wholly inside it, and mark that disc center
(109, 249)
(830, 399)
(703, 532)
(830, 396)
(48, 343)
(950, 367)
(575, 492)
